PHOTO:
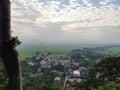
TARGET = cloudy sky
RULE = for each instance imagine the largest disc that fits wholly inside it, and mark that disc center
(77, 21)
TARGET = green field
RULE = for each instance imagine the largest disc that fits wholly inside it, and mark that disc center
(57, 50)
(114, 50)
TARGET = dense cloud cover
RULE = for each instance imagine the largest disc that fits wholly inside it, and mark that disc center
(94, 21)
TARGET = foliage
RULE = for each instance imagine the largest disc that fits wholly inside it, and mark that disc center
(3, 77)
(43, 82)
(58, 67)
(109, 78)
(109, 86)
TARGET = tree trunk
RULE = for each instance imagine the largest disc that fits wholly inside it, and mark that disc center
(7, 50)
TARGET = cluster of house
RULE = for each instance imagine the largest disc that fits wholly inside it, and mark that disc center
(42, 55)
(30, 62)
(38, 58)
(74, 72)
(81, 72)
(72, 76)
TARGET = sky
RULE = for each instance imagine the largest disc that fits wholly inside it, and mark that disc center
(66, 21)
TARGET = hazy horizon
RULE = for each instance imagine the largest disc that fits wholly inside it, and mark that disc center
(66, 21)
(67, 44)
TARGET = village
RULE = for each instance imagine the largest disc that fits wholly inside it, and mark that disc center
(71, 71)
(65, 72)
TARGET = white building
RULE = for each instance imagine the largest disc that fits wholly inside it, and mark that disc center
(76, 73)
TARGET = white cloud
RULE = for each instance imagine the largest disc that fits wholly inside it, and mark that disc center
(73, 3)
(85, 1)
(104, 2)
(23, 32)
(51, 12)
(31, 15)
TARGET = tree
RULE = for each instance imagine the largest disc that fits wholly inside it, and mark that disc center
(7, 47)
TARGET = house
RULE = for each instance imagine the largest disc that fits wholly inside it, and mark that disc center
(30, 62)
(74, 65)
(57, 80)
(42, 55)
(64, 62)
(83, 72)
(70, 73)
(46, 64)
(76, 73)
(98, 74)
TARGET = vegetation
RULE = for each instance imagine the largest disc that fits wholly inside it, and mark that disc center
(103, 76)
(3, 77)
(56, 49)
(44, 82)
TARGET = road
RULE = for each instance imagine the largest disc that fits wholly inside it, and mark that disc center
(66, 78)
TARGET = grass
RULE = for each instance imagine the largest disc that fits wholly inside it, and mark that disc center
(56, 50)
(28, 51)
(114, 50)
